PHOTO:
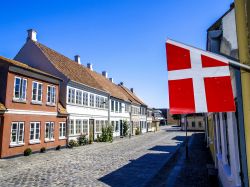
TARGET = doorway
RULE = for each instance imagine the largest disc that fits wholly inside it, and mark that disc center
(91, 129)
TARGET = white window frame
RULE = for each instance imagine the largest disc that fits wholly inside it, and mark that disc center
(37, 91)
(20, 98)
(62, 130)
(35, 140)
(98, 124)
(91, 100)
(18, 133)
(78, 97)
(52, 95)
(85, 123)
(78, 126)
(71, 100)
(51, 131)
(71, 127)
(85, 98)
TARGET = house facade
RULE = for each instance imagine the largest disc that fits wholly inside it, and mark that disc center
(30, 112)
(223, 135)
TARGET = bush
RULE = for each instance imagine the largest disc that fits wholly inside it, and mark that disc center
(42, 150)
(82, 140)
(27, 152)
(73, 143)
(58, 147)
(107, 134)
(137, 131)
(125, 128)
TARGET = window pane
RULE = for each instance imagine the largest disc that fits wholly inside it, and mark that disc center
(40, 87)
(20, 139)
(17, 87)
(47, 130)
(14, 132)
(24, 85)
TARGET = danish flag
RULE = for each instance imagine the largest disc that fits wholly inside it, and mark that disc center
(198, 81)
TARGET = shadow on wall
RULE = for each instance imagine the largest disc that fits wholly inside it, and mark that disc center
(140, 171)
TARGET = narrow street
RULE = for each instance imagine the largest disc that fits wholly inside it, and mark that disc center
(125, 162)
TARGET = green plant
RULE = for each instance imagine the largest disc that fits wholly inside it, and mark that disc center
(125, 128)
(73, 143)
(107, 134)
(42, 150)
(27, 152)
(137, 131)
(58, 147)
(82, 140)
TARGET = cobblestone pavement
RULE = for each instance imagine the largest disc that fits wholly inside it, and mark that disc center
(125, 162)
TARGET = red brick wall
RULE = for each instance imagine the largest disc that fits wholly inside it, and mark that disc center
(9, 118)
(28, 105)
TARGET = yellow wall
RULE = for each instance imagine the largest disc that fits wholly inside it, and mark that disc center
(211, 127)
(242, 36)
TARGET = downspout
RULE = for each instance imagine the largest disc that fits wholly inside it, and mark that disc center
(109, 109)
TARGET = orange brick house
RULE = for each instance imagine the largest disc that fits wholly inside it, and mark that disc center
(30, 113)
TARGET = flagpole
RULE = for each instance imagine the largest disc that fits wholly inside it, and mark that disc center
(235, 63)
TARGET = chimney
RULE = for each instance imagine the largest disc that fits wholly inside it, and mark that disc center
(111, 79)
(78, 59)
(121, 83)
(105, 74)
(90, 66)
(132, 90)
(31, 35)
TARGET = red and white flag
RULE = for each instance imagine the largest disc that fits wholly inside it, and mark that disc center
(198, 81)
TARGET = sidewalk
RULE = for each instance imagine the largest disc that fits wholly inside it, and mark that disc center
(182, 172)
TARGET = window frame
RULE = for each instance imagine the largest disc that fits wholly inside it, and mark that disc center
(37, 92)
(17, 142)
(51, 95)
(19, 98)
(35, 140)
(51, 131)
(62, 130)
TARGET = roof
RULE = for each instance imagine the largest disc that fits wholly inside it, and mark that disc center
(24, 66)
(131, 95)
(2, 107)
(71, 69)
(79, 73)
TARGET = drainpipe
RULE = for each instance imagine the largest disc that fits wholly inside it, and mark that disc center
(242, 15)
(109, 109)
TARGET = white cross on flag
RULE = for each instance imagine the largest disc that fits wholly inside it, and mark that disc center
(198, 81)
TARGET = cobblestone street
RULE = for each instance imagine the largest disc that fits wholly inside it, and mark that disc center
(125, 162)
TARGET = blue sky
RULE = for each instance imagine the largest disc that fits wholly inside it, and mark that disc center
(124, 37)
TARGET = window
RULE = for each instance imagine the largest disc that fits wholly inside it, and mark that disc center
(51, 95)
(34, 131)
(106, 103)
(78, 126)
(78, 97)
(85, 98)
(97, 101)
(120, 107)
(49, 130)
(92, 100)
(17, 133)
(200, 124)
(112, 105)
(62, 129)
(117, 126)
(126, 108)
(37, 92)
(116, 106)
(71, 95)
(224, 117)
(98, 127)
(20, 89)
(193, 123)
(85, 127)
(102, 102)
(71, 126)
(113, 125)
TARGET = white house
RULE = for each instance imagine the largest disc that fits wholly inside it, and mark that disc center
(86, 101)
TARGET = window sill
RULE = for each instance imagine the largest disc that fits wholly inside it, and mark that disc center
(19, 101)
(17, 145)
(49, 140)
(51, 104)
(62, 138)
(35, 142)
(36, 103)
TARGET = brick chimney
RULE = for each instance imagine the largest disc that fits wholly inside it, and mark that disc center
(90, 66)
(105, 74)
(31, 35)
(78, 59)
